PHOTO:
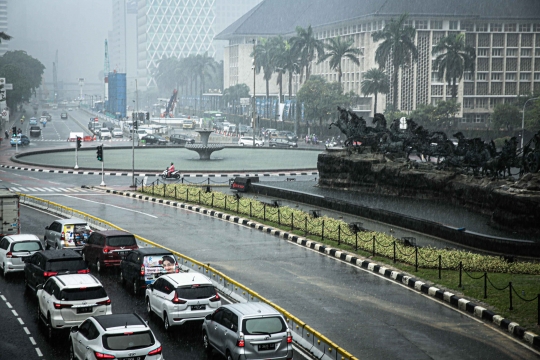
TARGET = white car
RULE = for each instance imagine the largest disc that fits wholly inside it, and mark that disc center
(67, 300)
(117, 133)
(248, 141)
(181, 297)
(14, 249)
(117, 336)
(105, 134)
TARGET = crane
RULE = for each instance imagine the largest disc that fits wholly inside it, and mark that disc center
(170, 106)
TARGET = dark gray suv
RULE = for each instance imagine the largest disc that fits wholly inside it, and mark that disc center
(248, 331)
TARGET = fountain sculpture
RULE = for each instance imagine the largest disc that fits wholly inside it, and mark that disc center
(204, 149)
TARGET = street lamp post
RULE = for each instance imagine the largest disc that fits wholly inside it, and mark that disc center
(254, 95)
(523, 120)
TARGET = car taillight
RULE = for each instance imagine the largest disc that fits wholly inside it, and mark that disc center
(85, 271)
(289, 337)
(63, 236)
(176, 300)
(61, 306)
(103, 356)
(215, 298)
(155, 351)
(49, 273)
(10, 255)
(142, 269)
(104, 302)
(106, 250)
(240, 341)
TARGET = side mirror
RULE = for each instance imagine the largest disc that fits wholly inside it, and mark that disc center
(39, 287)
(208, 317)
(74, 329)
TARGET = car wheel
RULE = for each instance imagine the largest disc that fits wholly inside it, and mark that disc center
(241, 144)
(135, 287)
(47, 246)
(229, 356)
(98, 265)
(4, 270)
(71, 353)
(50, 330)
(122, 278)
(166, 321)
(148, 307)
(56, 246)
(206, 343)
(38, 314)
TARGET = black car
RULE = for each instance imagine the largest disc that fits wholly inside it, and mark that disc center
(282, 142)
(63, 116)
(35, 131)
(181, 139)
(154, 139)
(44, 264)
(143, 266)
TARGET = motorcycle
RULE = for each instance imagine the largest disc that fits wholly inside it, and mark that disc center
(174, 175)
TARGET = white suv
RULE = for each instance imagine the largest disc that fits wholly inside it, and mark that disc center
(118, 336)
(67, 300)
(248, 140)
(178, 298)
(14, 249)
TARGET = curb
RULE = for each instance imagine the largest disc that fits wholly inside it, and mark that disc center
(447, 297)
(192, 175)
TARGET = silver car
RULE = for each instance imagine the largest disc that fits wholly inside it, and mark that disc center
(69, 233)
(248, 331)
(14, 249)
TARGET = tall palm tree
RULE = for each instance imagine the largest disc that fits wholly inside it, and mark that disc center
(397, 47)
(456, 59)
(338, 49)
(307, 45)
(265, 56)
(279, 52)
(204, 66)
(288, 59)
(375, 81)
(234, 93)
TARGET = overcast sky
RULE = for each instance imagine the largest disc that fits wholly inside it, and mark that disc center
(76, 28)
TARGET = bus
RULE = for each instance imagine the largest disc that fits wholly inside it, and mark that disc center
(214, 116)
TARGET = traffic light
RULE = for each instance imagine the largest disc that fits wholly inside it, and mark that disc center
(136, 125)
(79, 142)
(100, 153)
(147, 116)
(14, 131)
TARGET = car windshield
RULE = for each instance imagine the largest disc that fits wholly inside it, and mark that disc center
(67, 265)
(128, 340)
(26, 246)
(83, 293)
(127, 240)
(264, 325)
(196, 291)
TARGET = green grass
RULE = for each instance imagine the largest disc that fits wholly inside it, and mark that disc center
(527, 286)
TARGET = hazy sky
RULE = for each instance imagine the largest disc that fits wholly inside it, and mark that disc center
(76, 28)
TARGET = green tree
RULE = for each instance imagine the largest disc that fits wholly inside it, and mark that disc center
(24, 72)
(454, 57)
(168, 74)
(338, 49)
(397, 47)
(320, 98)
(288, 59)
(307, 46)
(265, 61)
(204, 66)
(424, 115)
(233, 94)
(375, 82)
(506, 117)
(445, 113)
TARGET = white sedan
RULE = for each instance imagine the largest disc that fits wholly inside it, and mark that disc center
(117, 133)
(248, 141)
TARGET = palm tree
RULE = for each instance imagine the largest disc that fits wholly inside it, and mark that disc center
(375, 81)
(204, 66)
(456, 59)
(288, 59)
(397, 47)
(279, 52)
(339, 49)
(265, 54)
(234, 93)
(307, 45)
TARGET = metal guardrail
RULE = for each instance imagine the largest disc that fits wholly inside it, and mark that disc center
(307, 337)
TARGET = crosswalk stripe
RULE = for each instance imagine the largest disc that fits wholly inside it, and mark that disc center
(48, 189)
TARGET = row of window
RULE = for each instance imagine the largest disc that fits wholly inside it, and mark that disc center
(509, 52)
(524, 76)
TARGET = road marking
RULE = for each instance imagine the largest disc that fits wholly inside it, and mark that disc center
(26, 330)
(20, 321)
(115, 206)
(8, 305)
(40, 354)
(14, 312)
(3, 297)
(32, 340)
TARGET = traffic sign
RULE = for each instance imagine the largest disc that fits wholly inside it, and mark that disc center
(96, 119)
(245, 101)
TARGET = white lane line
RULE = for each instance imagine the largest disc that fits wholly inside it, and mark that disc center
(15, 189)
(26, 330)
(3, 297)
(40, 189)
(47, 189)
(20, 321)
(40, 354)
(32, 340)
(8, 305)
(14, 312)
(115, 206)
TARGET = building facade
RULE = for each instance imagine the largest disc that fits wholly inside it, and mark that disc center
(4, 46)
(505, 35)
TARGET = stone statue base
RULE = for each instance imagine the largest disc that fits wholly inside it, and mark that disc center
(512, 204)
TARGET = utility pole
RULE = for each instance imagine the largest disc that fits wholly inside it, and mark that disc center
(135, 118)
(254, 96)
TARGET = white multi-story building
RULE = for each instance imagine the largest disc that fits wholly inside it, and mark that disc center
(4, 25)
(505, 34)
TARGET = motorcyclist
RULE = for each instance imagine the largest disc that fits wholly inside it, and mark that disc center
(170, 170)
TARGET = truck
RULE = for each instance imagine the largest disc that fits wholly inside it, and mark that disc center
(9, 213)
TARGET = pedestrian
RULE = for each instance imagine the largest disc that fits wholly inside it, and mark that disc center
(7, 134)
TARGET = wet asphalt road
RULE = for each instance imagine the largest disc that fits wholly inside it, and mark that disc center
(366, 314)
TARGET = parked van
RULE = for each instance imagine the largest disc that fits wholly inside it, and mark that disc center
(69, 233)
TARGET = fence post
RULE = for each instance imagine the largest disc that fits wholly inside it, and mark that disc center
(264, 211)
(485, 285)
(212, 199)
(250, 208)
(153, 189)
(305, 225)
(225, 202)
(238, 206)
(199, 196)
(510, 288)
(416, 258)
(394, 257)
(278, 217)
(182, 179)
(373, 247)
(339, 234)
(175, 197)
(440, 265)
(356, 241)
(208, 181)
(187, 195)
(460, 268)
(322, 231)
(292, 221)
(164, 189)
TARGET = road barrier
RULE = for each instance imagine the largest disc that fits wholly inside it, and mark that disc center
(305, 336)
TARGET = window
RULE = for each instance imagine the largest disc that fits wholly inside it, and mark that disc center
(467, 26)
(536, 27)
(498, 40)
(510, 88)
(482, 103)
(537, 53)
(453, 25)
(509, 27)
(481, 76)
(468, 103)
(511, 52)
(496, 88)
(536, 76)
(436, 25)
(496, 27)
(496, 52)
(421, 24)
(511, 76)
(482, 52)
(482, 27)
(524, 27)
(468, 76)
(497, 64)
(525, 76)
(496, 76)
(435, 77)
(526, 52)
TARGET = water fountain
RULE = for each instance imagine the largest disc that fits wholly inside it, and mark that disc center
(204, 149)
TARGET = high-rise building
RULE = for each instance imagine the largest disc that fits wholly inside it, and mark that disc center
(4, 25)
